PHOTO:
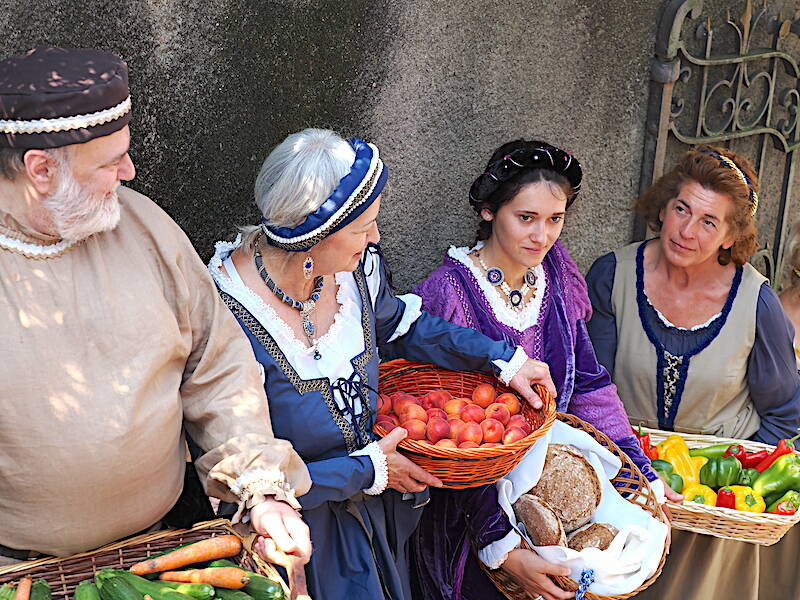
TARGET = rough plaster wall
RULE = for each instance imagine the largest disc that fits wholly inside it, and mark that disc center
(436, 84)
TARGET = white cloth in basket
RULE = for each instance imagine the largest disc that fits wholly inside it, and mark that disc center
(634, 554)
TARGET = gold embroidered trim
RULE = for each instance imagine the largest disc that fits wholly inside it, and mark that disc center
(322, 384)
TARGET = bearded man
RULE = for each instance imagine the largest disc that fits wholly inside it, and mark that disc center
(113, 338)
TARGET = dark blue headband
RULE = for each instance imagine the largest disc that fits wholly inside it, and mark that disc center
(728, 163)
(354, 193)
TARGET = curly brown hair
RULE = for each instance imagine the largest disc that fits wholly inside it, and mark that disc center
(703, 168)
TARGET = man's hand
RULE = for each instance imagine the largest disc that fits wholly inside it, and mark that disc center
(531, 572)
(404, 475)
(284, 526)
(531, 372)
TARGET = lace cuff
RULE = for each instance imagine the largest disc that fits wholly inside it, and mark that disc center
(510, 368)
(658, 489)
(496, 553)
(253, 487)
(379, 465)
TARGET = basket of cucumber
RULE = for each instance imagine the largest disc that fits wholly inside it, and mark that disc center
(206, 562)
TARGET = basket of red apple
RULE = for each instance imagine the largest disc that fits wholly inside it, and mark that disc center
(464, 427)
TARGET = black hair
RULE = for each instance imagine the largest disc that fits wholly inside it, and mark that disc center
(517, 164)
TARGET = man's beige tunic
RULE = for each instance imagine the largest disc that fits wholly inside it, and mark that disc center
(106, 350)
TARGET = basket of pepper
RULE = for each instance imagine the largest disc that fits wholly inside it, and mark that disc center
(733, 489)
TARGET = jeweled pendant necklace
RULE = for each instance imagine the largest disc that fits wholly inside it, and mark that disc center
(305, 307)
(495, 276)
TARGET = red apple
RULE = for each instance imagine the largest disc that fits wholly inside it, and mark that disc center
(492, 430)
(448, 443)
(472, 412)
(519, 421)
(490, 444)
(437, 429)
(469, 445)
(471, 433)
(402, 401)
(385, 423)
(436, 399)
(483, 395)
(413, 411)
(456, 425)
(384, 404)
(511, 402)
(498, 411)
(436, 413)
(454, 407)
(415, 428)
(513, 434)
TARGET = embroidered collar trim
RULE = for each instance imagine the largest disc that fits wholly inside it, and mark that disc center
(518, 320)
(35, 250)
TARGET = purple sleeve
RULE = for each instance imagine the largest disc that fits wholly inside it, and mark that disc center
(486, 521)
(441, 297)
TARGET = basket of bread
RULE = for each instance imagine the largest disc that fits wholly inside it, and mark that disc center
(464, 427)
(733, 489)
(579, 501)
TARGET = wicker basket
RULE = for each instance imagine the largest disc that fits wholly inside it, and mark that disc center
(630, 483)
(466, 467)
(755, 528)
(64, 574)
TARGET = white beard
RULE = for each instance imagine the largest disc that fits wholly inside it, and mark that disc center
(78, 213)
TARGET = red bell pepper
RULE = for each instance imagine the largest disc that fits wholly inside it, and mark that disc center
(785, 446)
(649, 451)
(784, 507)
(753, 458)
(737, 451)
(726, 498)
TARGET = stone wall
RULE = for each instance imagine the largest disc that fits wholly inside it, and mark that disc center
(436, 84)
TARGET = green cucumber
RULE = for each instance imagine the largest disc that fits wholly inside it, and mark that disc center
(86, 590)
(40, 590)
(199, 591)
(260, 587)
(117, 588)
(7, 592)
(154, 589)
(226, 594)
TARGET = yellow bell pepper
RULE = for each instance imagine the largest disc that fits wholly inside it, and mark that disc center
(747, 499)
(675, 451)
(702, 494)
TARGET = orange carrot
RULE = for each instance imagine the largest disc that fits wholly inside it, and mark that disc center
(225, 577)
(221, 546)
(24, 589)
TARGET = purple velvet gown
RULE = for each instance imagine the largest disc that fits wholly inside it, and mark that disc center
(454, 521)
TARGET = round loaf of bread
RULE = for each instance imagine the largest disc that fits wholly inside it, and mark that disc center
(540, 520)
(570, 485)
(593, 535)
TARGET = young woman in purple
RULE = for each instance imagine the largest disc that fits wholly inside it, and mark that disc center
(517, 284)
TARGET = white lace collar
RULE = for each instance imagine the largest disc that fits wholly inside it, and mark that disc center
(36, 250)
(519, 320)
(669, 324)
(347, 297)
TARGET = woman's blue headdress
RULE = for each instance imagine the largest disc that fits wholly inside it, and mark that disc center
(354, 193)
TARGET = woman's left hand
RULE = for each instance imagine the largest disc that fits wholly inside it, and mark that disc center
(532, 372)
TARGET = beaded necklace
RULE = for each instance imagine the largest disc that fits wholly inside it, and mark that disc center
(495, 276)
(305, 307)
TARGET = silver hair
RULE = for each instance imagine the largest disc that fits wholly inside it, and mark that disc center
(298, 176)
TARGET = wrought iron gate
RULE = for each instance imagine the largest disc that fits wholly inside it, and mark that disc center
(729, 81)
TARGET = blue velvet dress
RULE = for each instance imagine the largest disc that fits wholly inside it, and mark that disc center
(359, 540)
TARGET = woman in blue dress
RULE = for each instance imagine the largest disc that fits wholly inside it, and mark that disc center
(313, 294)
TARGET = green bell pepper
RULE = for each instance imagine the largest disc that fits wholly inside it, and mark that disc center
(792, 496)
(747, 477)
(665, 471)
(721, 471)
(782, 476)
